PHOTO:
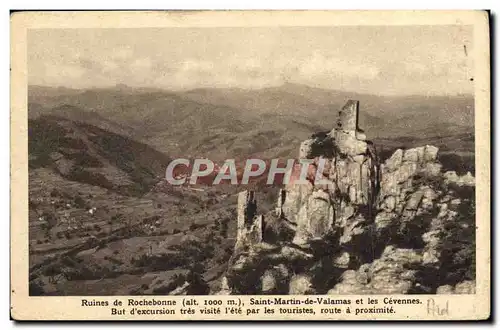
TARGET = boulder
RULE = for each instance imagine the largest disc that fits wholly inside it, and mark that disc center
(430, 153)
(268, 282)
(392, 273)
(305, 148)
(445, 289)
(300, 284)
(224, 287)
(466, 287)
(394, 162)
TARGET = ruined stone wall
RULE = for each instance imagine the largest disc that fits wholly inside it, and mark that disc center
(348, 116)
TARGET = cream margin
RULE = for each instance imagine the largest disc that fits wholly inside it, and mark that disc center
(23, 307)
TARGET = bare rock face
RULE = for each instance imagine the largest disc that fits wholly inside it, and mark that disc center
(356, 226)
(268, 282)
(465, 287)
(341, 181)
(249, 230)
(301, 284)
(399, 172)
(464, 180)
(390, 274)
(224, 288)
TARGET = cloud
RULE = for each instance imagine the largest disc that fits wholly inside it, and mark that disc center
(110, 66)
(196, 66)
(57, 74)
(319, 65)
(253, 72)
(142, 65)
(361, 60)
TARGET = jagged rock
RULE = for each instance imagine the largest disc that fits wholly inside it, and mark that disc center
(363, 274)
(465, 287)
(432, 239)
(352, 229)
(305, 149)
(349, 144)
(296, 197)
(411, 155)
(397, 191)
(273, 279)
(300, 284)
(389, 204)
(293, 253)
(348, 170)
(349, 285)
(342, 261)
(464, 180)
(360, 136)
(432, 169)
(316, 209)
(250, 225)
(320, 213)
(224, 287)
(384, 219)
(414, 201)
(430, 257)
(394, 162)
(391, 274)
(325, 228)
(430, 153)
(282, 270)
(268, 282)
(429, 196)
(180, 291)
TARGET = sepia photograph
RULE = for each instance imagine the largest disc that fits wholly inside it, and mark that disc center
(331, 160)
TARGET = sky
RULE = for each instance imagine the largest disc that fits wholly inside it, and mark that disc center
(382, 60)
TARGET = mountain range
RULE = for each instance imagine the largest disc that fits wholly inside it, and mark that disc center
(268, 122)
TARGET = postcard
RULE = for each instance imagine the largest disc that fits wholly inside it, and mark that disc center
(250, 165)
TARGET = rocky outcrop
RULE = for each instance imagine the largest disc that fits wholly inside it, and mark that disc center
(465, 287)
(355, 225)
(250, 225)
(392, 273)
(341, 182)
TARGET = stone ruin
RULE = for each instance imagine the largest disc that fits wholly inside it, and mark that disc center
(351, 170)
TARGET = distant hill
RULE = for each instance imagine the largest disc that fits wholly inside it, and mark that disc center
(380, 116)
(77, 114)
(268, 122)
(85, 153)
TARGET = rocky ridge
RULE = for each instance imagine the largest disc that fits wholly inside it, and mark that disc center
(401, 226)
